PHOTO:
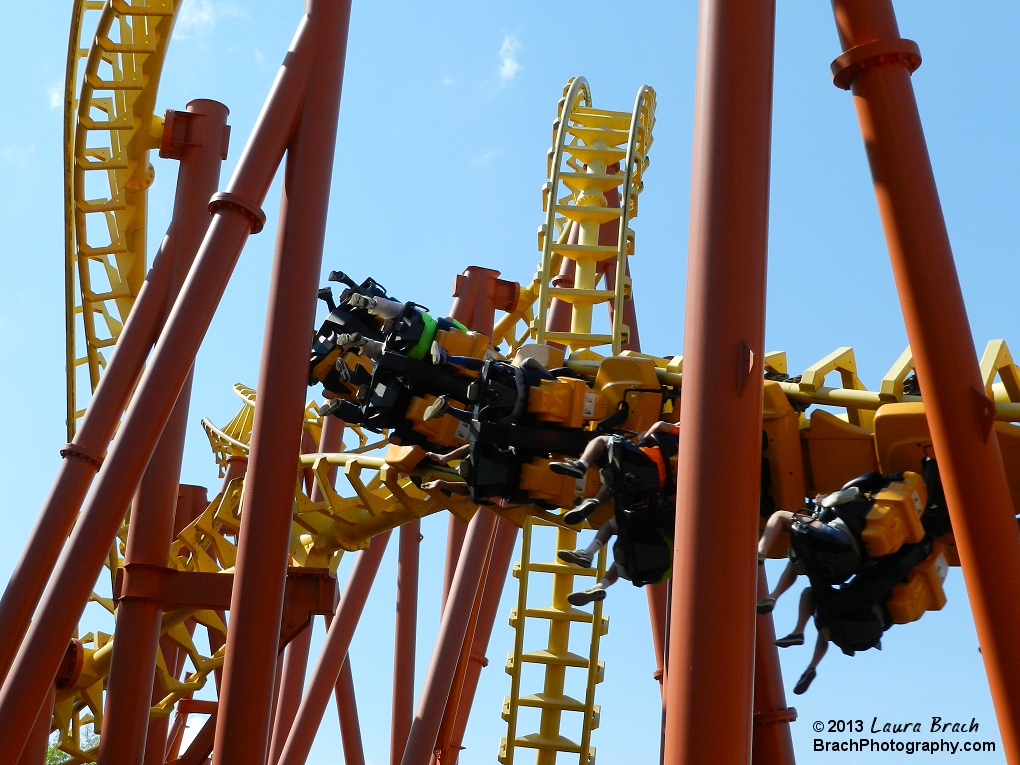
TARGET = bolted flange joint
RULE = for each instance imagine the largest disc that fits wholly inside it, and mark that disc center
(899, 51)
(226, 200)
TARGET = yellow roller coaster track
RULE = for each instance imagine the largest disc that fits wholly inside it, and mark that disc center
(109, 129)
(586, 143)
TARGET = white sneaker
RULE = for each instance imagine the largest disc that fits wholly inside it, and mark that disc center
(436, 409)
(438, 354)
(352, 338)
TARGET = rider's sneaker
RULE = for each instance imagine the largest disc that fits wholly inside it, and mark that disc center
(805, 680)
(582, 511)
(343, 370)
(584, 597)
(350, 338)
(329, 407)
(794, 638)
(358, 300)
(578, 557)
(438, 353)
(573, 468)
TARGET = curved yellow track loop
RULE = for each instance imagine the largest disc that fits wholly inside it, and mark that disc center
(586, 141)
(109, 130)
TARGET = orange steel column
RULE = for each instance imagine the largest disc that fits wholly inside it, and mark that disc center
(347, 712)
(452, 629)
(38, 742)
(198, 138)
(191, 502)
(245, 705)
(295, 662)
(406, 638)
(657, 595)
(771, 743)
(561, 312)
(443, 750)
(609, 236)
(711, 635)
(455, 531)
(292, 680)
(343, 690)
(876, 64)
(235, 216)
(478, 293)
(334, 652)
(492, 591)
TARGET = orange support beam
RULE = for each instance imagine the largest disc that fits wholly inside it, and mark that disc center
(405, 638)
(771, 743)
(333, 656)
(453, 627)
(876, 65)
(711, 637)
(201, 134)
(263, 542)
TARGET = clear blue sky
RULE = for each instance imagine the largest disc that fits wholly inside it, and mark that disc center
(444, 129)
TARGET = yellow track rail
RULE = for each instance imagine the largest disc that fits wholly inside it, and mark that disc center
(109, 129)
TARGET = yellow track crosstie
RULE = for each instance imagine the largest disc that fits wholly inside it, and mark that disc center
(109, 129)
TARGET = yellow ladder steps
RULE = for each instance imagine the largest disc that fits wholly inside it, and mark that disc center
(555, 659)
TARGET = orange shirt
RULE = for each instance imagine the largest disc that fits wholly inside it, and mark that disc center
(654, 453)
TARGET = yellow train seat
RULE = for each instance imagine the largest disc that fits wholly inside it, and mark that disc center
(631, 379)
(902, 438)
(895, 518)
(922, 591)
(457, 342)
(836, 451)
(781, 423)
(445, 430)
(567, 401)
(561, 490)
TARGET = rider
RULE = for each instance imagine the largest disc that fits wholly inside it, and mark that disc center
(410, 327)
(524, 371)
(653, 451)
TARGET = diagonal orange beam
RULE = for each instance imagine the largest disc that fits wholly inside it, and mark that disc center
(876, 65)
